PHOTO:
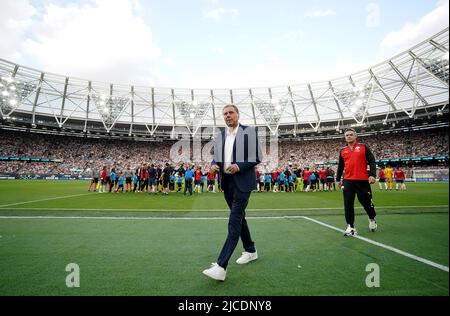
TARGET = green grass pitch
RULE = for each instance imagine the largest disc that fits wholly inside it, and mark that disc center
(141, 244)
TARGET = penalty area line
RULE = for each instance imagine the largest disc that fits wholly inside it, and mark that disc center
(376, 243)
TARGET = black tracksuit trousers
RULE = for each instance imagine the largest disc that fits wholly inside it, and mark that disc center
(360, 188)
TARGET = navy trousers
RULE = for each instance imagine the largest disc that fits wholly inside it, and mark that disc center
(188, 186)
(237, 225)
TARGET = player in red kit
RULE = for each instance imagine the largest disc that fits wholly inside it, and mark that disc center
(353, 161)
(323, 178)
(382, 179)
(211, 182)
(306, 182)
(399, 177)
(103, 176)
(275, 175)
(197, 179)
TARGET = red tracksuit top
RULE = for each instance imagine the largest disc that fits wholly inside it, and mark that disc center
(353, 162)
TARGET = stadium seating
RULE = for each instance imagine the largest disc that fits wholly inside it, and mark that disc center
(77, 155)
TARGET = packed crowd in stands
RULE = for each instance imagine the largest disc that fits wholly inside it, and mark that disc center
(383, 146)
(78, 156)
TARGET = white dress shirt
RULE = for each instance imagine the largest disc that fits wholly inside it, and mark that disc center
(228, 150)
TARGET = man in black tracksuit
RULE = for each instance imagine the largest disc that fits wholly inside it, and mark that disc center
(354, 159)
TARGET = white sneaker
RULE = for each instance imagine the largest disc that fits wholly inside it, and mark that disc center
(350, 231)
(216, 272)
(247, 257)
(373, 226)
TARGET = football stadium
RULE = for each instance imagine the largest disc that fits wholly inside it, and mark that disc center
(107, 188)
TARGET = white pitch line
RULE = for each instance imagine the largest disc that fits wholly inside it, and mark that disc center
(41, 200)
(200, 210)
(400, 252)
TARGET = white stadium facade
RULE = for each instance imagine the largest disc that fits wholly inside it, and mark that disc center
(410, 87)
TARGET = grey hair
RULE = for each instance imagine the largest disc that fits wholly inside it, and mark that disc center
(231, 106)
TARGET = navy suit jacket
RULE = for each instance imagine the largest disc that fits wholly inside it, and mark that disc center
(246, 154)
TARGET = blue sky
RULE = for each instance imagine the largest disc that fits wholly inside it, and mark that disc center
(212, 43)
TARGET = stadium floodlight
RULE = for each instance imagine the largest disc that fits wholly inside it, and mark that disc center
(277, 107)
(110, 108)
(271, 111)
(13, 93)
(438, 67)
(277, 104)
(355, 100)
(193, 113)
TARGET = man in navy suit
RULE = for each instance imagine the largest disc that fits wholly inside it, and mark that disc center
(236, 153)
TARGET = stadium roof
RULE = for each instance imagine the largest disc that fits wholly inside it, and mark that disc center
(413, 81)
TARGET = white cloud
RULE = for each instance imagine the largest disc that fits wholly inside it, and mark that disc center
(15, 19)
(413, 33)
(219, 50)
(169, 62)
(320, 13)
(136, 5)
(100, 40)
(373, 16)
(219, 13)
